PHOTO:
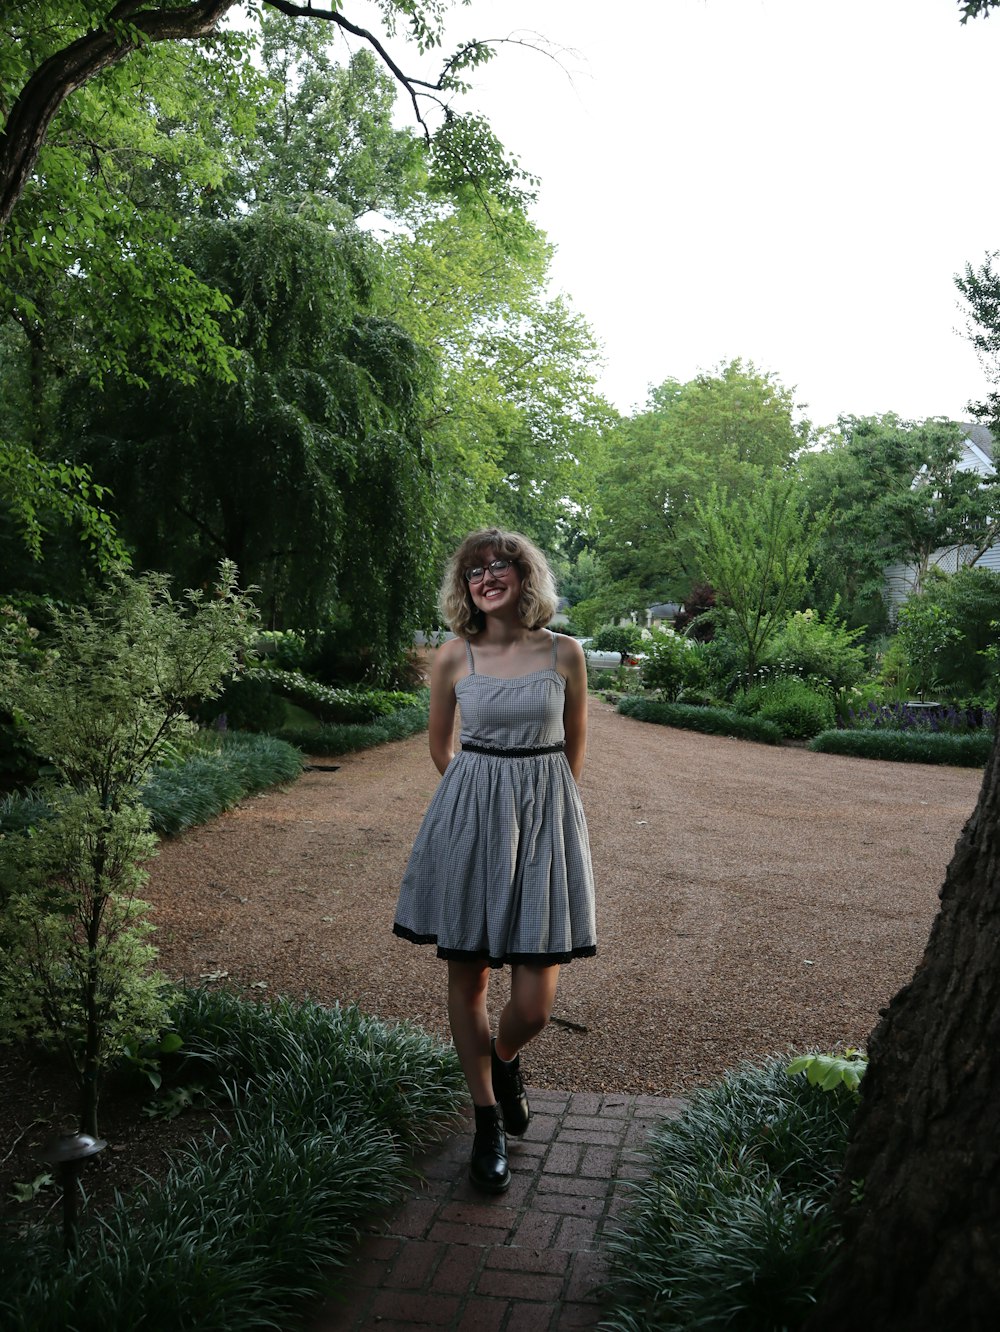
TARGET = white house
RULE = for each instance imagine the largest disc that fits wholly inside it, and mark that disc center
(900, 579)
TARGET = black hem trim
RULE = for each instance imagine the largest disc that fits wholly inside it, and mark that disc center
(482, 954)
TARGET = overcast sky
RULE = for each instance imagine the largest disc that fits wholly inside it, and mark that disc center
(794, 182)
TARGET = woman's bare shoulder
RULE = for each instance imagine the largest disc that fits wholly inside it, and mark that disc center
(569, 653)
(450, 657)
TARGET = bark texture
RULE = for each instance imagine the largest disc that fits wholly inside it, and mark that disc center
(923, 1242)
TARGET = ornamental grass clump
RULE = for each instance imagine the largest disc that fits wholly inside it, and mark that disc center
(961, 751)
(223, 769)
(318, 1109)
(732, 1228)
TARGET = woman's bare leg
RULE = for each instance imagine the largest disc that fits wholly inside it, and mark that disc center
(527, 1011)
(468, 983)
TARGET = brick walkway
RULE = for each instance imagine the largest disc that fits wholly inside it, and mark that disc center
(527, 1261)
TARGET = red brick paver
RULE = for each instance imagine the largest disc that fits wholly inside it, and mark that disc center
(448, 1258)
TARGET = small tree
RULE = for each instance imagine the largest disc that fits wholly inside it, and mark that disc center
(109, 694)
(754, 550)
(621, 638)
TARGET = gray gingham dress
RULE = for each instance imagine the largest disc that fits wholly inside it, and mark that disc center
(500, 871)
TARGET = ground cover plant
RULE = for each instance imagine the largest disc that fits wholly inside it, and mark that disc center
(348, 738)
(317, 1113)
(710, 720)
(732, 1227)
(223, 768)
(962, 751)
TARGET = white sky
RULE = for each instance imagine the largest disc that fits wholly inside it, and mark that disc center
(794, 182)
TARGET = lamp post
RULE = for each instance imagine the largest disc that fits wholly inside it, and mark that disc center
(67, 1152)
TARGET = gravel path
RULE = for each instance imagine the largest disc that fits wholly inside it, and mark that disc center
(751, 899)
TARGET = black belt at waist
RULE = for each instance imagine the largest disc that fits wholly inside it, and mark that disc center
(499, 751)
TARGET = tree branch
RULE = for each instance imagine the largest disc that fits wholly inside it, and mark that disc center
(65, 71)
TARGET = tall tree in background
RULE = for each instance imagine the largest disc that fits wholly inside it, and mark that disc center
(88, 266)
(718, 429)
(896, 494)
(754, 550)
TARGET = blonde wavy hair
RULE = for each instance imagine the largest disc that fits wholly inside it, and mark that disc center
(538, 589)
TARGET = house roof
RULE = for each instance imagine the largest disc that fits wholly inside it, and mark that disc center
(980, 436)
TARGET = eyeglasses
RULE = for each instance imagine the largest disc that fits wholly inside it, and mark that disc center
(498, 568)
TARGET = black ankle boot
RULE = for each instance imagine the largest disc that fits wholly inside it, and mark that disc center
(508, 1088)
(488, 1168)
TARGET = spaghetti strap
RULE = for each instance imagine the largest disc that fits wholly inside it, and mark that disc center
(555, 647)
(468, 653)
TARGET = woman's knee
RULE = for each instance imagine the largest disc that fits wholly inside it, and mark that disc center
(468, 982)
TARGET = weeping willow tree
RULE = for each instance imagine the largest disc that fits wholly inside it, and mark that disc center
(306, 468)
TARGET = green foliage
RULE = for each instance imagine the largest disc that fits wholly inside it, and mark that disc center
(723, 428)
(40, 495)
(830, 1072)
(820, 648)
(895, 494)
(337, 705)
(345, 738)
(103, 702)
(625, 639)
(755, 549)
(210, 780)
(733, 1227)
(319, 1110)
(947, 636)
(75, 957)
(960, 751)
(672, 664)
(709, 720)
(796, 709)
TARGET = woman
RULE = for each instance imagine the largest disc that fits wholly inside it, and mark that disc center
(500, 871)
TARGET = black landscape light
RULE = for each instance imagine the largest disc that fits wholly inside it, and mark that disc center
(68, 1151)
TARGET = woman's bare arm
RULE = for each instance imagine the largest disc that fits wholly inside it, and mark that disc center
(441, 723)
(573, 666)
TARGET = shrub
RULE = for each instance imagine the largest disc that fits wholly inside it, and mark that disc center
(710, 721)
(797, 710)
(733, 1227)
(248, 703)
(820, 650)
(672, 664)
(101, 704)
(354, 705)
(961, 751)
(946, 633)
(348, 739)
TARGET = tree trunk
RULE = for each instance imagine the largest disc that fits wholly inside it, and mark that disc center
(922, 1246)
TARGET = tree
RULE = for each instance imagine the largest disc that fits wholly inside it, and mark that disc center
(896, 494)
(718, 429)
(920, 1189)
(513, 415)
(754, 549)
(95, 138)
(102, 704)
(83, 38)
(308, 472)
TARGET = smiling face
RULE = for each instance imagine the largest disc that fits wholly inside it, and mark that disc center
(495, 591)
